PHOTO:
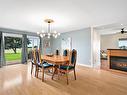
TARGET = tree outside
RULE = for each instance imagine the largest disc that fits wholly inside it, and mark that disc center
(13, 47)
(14, 43)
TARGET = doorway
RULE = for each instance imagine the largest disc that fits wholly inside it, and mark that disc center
(13, 45)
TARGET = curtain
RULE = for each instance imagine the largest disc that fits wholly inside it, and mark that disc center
(24, 49)
(40, 46)
(2, 56)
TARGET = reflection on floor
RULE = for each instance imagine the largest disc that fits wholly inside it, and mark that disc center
(17, 80)
(13, 62)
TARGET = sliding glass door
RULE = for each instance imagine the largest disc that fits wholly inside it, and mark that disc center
(13, 44)
(13, 47)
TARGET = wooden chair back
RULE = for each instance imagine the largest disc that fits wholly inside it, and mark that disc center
(37, 55)
(39, 52)
(73, 57)
(66, 52)
(57, 52)
(33, 57)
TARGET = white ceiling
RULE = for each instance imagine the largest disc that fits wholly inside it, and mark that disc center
(68, 14)
(111, 28)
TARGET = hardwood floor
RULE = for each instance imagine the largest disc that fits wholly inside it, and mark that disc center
(17, 80)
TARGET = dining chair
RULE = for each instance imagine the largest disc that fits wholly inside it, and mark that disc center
(65, 52)
(41, 64)
(57, 52)
(66, 68)
(33, 62)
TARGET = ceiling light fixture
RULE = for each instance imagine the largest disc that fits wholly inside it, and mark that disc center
(121, 24)
(48, 33)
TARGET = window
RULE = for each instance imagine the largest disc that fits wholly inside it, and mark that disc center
(34, 42)
(123, 43)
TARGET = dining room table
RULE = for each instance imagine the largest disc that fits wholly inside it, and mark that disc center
(56, 60)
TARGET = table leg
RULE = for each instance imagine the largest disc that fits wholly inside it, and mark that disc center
(55, 71)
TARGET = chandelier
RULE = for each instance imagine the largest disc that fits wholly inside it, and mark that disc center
(48, 33)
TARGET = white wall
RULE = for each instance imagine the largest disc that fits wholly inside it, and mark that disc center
(81, 41)
(111, 41)
(85, 41)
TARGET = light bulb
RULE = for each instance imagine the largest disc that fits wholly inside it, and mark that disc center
(59, 34)
(56, 36)
(49, 34)
(38, 32)
(41, 35)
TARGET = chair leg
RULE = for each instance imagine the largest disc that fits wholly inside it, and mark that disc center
(55, 70)
(52, 70)
(58, 74)
(36, 71)
(31, 69)
(43, 74)
(53, 75)
(67, 78)
(74, 74)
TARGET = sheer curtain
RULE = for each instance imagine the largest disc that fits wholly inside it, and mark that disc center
(2, 56)
(24, 49)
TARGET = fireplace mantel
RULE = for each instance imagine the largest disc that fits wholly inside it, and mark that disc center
(117, 57)
(117, 52)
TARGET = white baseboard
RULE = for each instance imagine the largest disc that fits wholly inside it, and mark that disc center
(85, 65)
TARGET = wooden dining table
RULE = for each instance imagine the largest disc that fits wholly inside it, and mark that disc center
(57, 60)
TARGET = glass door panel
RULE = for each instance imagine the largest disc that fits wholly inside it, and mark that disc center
(13, 44)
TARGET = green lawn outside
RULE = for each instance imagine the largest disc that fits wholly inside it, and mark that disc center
(12, 56)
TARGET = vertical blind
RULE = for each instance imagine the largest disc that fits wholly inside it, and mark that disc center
(2, 56)
(24, 49)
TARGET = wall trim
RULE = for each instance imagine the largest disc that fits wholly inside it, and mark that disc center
(92, 35)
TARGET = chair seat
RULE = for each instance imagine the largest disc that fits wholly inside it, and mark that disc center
(45, 65)
(66, 67)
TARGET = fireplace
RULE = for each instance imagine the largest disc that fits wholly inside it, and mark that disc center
(118, 63)
(117, 59)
